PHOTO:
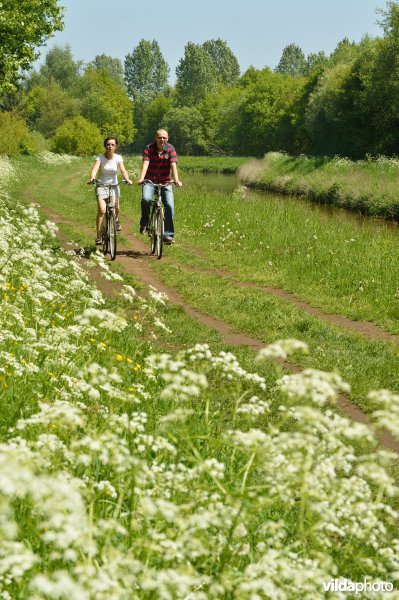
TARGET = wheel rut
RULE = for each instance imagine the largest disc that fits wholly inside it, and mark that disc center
(136, 260)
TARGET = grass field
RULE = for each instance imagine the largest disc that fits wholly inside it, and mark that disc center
(141, 457)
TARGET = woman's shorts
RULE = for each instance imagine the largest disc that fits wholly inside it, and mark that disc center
(102, 194)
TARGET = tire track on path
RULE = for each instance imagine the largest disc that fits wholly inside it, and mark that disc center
(136, 260)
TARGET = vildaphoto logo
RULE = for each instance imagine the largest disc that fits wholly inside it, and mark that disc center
(346, 585)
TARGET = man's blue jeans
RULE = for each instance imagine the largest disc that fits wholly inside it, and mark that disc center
(168, 202)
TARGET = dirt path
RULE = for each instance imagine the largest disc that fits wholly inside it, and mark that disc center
(136, 260)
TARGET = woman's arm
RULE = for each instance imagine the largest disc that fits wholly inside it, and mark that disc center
(124, 172)
(94, 170)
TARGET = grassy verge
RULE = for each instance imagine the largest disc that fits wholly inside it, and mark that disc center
(368, 187)
(133, 473)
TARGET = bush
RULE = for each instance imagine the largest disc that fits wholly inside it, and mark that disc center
(39, 142)
(15, 137)
(77, 136)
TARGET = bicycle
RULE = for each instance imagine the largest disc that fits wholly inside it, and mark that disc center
(108, 234)
(157, 216)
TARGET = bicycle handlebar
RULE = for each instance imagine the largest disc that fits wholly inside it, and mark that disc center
(172, 182)
(109, 185)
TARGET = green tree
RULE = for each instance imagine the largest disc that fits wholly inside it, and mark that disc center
(185, 127)
(292, 61)
(153, 116)
(264, 114)
(112, 66)
(77, 136)
(196, 75)
(218, 130)
(226, 64)
(146, 76)
(380, 98)
(24, 26)
(60, 65)
(107, 104)
(345, 52)
(337, 117)
(315, 60)
(46, 107)
(323, 120)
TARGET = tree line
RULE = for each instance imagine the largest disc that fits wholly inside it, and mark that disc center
(346, 103)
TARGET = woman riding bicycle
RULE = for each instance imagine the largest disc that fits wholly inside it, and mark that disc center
(108, 164)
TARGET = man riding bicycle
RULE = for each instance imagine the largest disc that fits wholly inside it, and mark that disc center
(159, 158)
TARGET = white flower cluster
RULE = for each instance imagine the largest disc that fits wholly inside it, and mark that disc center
(158, 296)
(317, 386)
(224, 363)
(49, 158)
(240, 192)
(387, 415)
(282, 349)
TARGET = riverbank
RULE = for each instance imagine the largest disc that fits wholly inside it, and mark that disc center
(212, 164)
(369, 187)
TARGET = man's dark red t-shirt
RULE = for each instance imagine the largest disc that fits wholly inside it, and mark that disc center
(159, 168)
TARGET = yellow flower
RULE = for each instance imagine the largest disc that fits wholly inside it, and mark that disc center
(129, 360)
(132, 389)
(119, 357)
(137, 367)
(50, 374)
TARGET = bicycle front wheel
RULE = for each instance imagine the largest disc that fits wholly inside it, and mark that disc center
(104, 235)
(153, 231)
(112, 235)
(160, 231)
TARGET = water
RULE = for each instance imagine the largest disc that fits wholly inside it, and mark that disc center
(228, 183)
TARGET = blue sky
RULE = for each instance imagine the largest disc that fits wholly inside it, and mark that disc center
(256, 30)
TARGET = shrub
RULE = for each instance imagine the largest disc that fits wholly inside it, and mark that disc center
(77, 136)
(15, 137)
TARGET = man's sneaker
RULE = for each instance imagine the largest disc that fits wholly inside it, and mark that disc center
(143, 228)
(99, 242)
(118, 226)
(168, 240)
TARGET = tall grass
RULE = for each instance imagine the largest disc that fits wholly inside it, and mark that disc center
(341, 264)
(368, 186)
(132, 474)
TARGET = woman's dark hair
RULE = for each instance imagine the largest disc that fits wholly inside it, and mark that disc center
(111, 137)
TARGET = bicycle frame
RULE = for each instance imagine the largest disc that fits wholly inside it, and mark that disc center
(109, 235)
(157, 217)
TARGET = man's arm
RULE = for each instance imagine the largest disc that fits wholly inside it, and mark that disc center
(144, 170)
(175, 174)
